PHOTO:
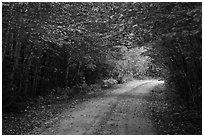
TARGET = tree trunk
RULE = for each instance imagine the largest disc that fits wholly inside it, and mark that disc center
(4, 48)
(16, 60)
(76, 74)
(185, 72)
(35, 82)
(67, 72)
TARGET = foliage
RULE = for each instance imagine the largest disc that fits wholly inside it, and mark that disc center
(178, 46)
(109, 82)
(50, 45)
(171, 115)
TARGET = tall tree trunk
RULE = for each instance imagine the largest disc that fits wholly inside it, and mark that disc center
(27, 79)
(36, 75)
(185, 72)
(77, 73)
(67, 72)
(16, 60)
(6, 44)
(35, 82)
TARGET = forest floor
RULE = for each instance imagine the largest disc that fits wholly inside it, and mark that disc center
(131, 108)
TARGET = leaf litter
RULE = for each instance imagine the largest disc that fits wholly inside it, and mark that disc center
(43, 111)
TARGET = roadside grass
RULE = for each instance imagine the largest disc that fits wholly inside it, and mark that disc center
(171, 115)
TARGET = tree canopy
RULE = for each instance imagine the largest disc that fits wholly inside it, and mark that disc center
(49, 45)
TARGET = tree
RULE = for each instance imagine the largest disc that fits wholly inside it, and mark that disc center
(179, 44)
(49, 45)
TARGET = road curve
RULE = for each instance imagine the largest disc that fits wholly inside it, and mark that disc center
(123, 111)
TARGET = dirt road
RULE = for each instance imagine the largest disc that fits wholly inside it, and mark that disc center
(122, 111)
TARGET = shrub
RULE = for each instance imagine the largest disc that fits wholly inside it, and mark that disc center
(95, 87)
(109, 82)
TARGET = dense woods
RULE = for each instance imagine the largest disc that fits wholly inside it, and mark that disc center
(50, 46)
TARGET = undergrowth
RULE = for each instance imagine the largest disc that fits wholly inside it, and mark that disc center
(40, 110)
(171, 115)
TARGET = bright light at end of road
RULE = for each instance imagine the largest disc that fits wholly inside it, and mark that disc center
(160, 81)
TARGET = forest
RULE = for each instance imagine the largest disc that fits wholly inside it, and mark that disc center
(69, 49)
